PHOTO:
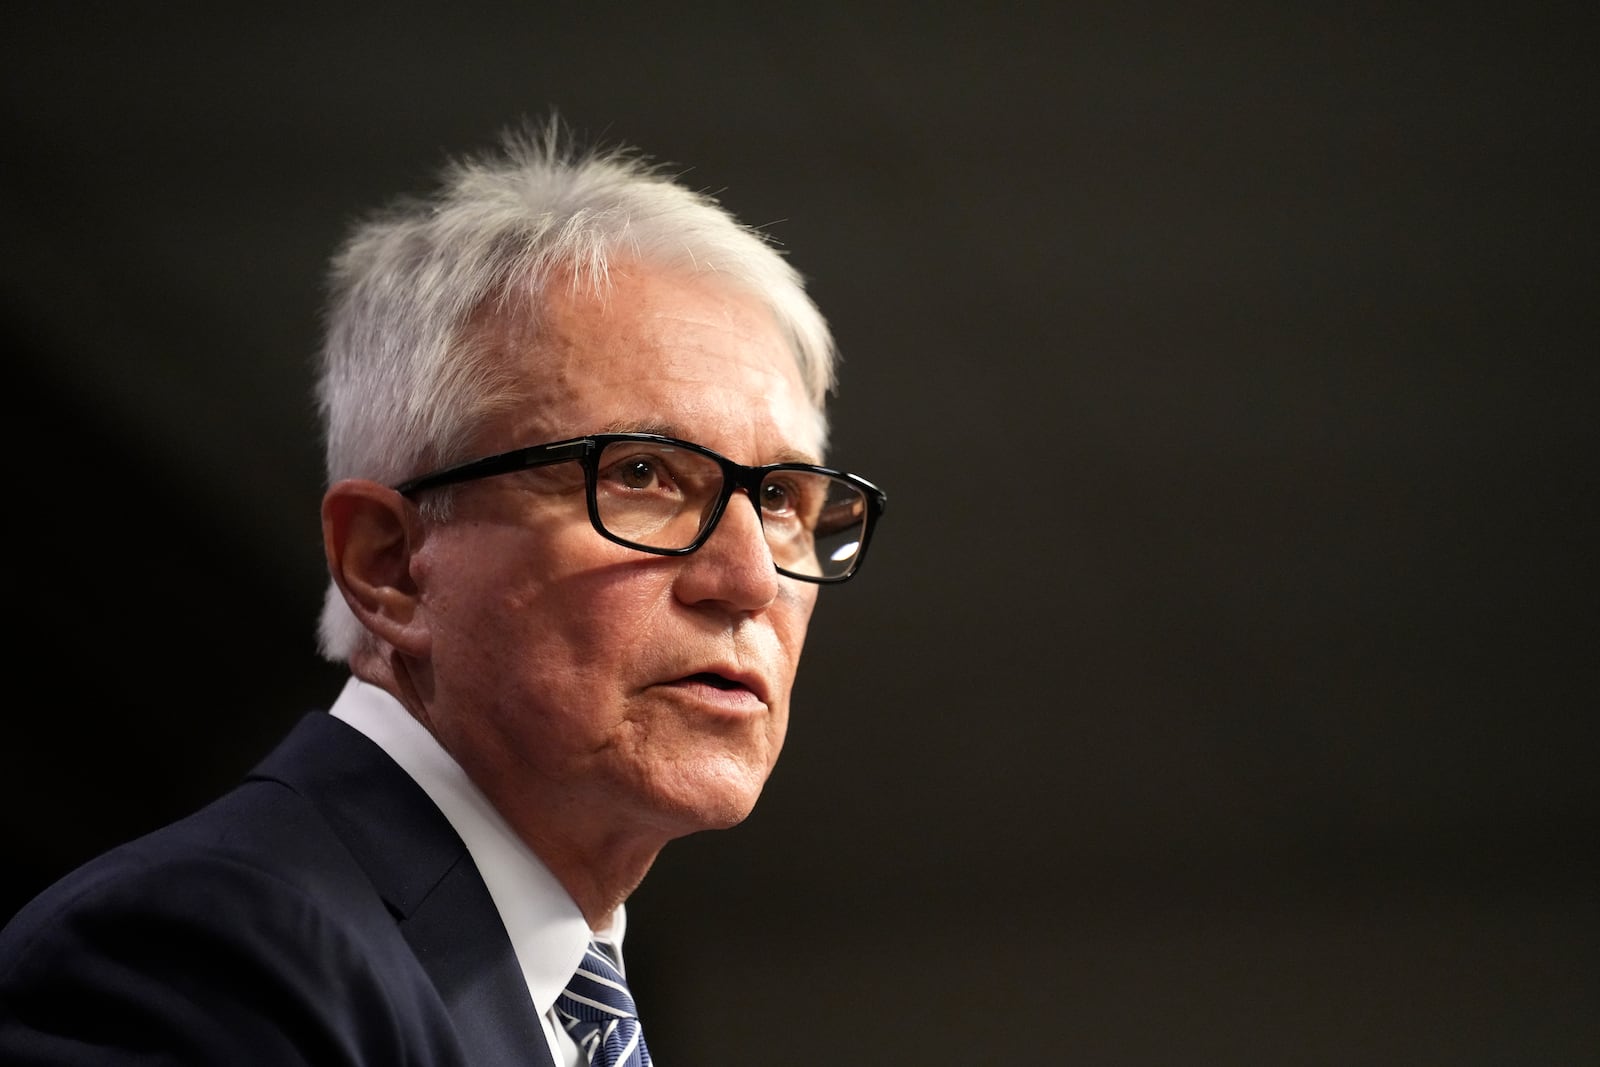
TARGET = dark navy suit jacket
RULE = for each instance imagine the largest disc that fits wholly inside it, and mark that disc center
(323, 912)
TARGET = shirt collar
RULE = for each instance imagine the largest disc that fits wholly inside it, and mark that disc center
(547, 931)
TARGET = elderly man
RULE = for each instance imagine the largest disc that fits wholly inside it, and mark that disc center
(575, 527)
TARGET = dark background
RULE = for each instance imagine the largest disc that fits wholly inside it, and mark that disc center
(1223, 686)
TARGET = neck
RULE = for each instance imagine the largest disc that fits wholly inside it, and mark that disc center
(598, 889)
(596, 863)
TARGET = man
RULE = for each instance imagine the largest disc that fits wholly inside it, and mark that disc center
(575, 528)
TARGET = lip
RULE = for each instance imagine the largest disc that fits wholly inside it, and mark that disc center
(743, 681)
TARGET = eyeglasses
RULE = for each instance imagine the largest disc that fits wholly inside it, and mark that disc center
(661, 495)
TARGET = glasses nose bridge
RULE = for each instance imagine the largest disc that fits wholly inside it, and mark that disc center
(736, 476)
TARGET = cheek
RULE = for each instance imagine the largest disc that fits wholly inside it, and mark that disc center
(594, 629)
(801, 606)
(791, 620)
(486, 603)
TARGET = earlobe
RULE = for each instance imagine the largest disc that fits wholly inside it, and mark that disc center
(369, 533)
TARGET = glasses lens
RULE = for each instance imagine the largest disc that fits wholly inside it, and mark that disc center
(815, 523)
(654, 494)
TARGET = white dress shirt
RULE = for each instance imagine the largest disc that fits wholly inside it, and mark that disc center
(548, 932)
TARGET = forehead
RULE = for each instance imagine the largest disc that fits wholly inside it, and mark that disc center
(663, 351)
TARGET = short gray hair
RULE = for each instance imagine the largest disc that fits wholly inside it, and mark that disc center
(401, 383)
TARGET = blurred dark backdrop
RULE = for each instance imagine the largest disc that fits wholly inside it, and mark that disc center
(1223, 688)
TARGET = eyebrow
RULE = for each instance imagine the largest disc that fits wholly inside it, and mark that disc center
(667, 429)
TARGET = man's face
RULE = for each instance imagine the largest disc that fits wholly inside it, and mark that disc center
(620, 696)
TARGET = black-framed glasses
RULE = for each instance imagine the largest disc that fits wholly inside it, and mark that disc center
(662, 495)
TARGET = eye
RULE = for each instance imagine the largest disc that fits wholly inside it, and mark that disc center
(777, 497)
(638, 472)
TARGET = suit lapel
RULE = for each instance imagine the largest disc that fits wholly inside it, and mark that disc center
(427, 879)
(458, 936)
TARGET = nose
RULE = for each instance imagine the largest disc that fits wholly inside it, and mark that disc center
(734, 567)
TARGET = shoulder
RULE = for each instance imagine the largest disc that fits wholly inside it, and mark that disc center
(244, 934)
(261, 853)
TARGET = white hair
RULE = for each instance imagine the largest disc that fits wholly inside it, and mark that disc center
(402, 386)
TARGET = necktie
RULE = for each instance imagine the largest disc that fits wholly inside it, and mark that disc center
(597, 1010)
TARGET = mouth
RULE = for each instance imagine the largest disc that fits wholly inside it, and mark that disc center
(715, 681)
(723, 681)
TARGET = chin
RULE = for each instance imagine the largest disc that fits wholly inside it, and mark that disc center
(711, 803)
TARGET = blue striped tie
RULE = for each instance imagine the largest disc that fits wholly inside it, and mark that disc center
(597, 1010)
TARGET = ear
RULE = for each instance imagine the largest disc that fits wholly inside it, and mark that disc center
(369, 533)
